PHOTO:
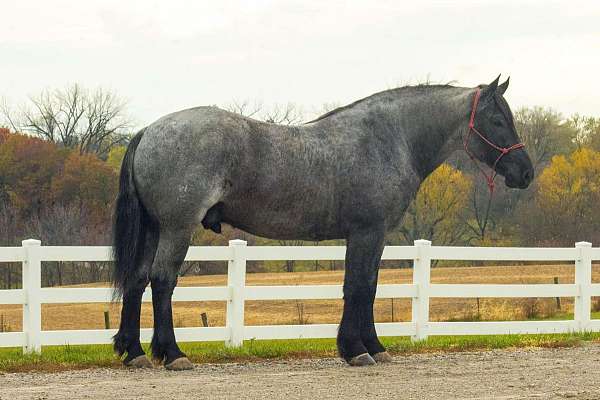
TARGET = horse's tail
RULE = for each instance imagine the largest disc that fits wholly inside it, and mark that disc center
(130, 222)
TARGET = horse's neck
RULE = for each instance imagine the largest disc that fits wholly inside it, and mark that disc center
(428, 126)
(439, 123)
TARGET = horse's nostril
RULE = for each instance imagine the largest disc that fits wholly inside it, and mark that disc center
(528, 175)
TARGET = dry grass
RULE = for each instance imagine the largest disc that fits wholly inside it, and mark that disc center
(90, 316)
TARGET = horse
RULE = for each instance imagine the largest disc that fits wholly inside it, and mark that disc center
(349, 174)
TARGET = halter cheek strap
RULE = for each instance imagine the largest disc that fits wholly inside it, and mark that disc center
(489, 178)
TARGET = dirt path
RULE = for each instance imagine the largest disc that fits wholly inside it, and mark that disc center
(506, 374)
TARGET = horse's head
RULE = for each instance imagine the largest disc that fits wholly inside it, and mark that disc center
(493, 138)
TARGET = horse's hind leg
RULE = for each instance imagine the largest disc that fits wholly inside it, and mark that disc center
(127, 339)
(172, 248)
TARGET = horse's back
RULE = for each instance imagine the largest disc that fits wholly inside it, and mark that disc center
(302, 182)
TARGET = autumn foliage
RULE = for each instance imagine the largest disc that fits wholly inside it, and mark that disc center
(566, 200)
(37, 177)
(27, 168)
(439, 210)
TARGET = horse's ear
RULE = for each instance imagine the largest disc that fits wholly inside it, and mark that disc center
(488, 92)
(502, 87)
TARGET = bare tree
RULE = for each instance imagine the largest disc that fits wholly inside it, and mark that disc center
(70, 225)
(90, 121)
(289, 114)
(247, 108)
(586, 131)
(286, 114)
(481, 208)
(544, 133)
(9, 235)
(290, 265)
(7, 113)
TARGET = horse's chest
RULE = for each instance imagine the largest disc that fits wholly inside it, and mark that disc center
(400, 192)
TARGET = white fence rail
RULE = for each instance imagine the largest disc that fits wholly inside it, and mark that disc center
(32, 296)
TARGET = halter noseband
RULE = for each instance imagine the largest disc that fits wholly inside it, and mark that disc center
(503, 150)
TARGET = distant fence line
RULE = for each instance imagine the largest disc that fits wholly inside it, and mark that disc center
(31, 254)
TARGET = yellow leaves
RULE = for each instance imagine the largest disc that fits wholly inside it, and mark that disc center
(566, 201)
(115, 157)
(444, 192)
(85, 178)
(568, 184)
(438, 209)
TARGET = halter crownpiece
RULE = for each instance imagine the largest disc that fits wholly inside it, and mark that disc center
(503, 150)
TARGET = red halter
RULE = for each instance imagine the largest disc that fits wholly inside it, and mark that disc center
(503, 150)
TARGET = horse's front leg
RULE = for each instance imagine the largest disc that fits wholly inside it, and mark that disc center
(357, 340)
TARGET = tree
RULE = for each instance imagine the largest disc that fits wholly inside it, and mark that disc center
(74, 117)
(287, 114)
(592, 127)
(438, 211)
(10, 232)
(115, 157)
(566, 201)
(27, 166)
(544, 134)
(86, 182)
(246, 107)
(586, 131)
(57, 195)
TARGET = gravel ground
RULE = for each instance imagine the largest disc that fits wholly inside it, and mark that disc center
(504, 374)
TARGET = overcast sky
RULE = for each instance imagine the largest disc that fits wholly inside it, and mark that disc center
(163, 56)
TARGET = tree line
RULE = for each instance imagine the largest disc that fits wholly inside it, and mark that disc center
(60, 156)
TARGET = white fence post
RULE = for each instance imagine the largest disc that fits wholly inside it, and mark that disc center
(32, 284)
(421, 278)
(236, 281)
(583, 279)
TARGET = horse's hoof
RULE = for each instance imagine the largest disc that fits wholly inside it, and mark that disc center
(180, 364)
(361, 360)
(383, 357)
(139, 362)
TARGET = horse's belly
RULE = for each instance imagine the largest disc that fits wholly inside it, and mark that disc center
(291, 220)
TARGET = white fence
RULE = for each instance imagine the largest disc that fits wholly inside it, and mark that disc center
(32, 296)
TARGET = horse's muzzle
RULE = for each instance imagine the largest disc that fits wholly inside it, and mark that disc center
(520, 179)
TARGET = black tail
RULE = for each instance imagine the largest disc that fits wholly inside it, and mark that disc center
(129, 225)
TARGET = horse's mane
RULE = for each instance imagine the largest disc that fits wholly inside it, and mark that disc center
(409, 88)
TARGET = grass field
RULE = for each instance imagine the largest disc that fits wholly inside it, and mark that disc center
(91, 316)
(59, 358)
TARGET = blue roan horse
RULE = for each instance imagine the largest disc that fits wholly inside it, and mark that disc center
(349, 174)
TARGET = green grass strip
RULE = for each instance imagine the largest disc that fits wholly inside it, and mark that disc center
(60, 358)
